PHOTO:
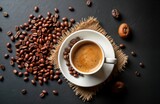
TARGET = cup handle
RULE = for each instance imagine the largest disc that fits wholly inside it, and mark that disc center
(110, 60)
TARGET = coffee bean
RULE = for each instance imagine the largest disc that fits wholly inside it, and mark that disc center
(71, 8)
(40, 82)
(33, 82)
(36, 8)
(26, 74)
(15, 71)
(89, 3)
(59, 81)
(122, 46)
(133, 53)
(56, 10)
(123, 30)
(8, 45)
(24, 91)
(141, 65)
(68, 63)
(42, 95)
(45, 80)
(56, 76)
(12, 38)
(137, 74)
(5, 14)
(9, 33)
(72, 20)
(17, 28)
(31, 16)
(25, 79)
(57, 72)
(49, 14)
(1, 78)
(0, 29)
(64, 18)
(6, 56)
(67, 49)
(20, 74)
(9, 50)
(56, 16)
(2, 67)
(11, 63)
(1, 8)
(55, 92)
(75, 75)
(115, 13)
(45, 92)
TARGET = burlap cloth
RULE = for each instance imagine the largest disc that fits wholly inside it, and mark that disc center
(86, 94)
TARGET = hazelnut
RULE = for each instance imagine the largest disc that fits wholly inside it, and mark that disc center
(123, 30)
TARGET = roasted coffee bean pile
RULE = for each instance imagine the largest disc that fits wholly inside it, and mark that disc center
(66, 57)
(34, 41)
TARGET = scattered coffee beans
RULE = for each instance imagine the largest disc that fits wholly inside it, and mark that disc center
(0, 29)
(55, 92)
(45, 92)
(5, 14)
(137, 74)
(1, 8)
(9, 50)
(26, 79)
(122, 46)
(36, 8)
(33, 82)
(59, 81)
(115, 13)
(56, 10)
(123, 30)
(6, 56)
(15, 71)
(26, 74)
(20, 74)
(89, 3)
(42, 95)
(8, 45)
(12, 38)
(11, 62)
(2, 67)
(9, 33)
(17, 28)
(133, 53)
(71, 8)
(1, 78)
(24, 91)
(141, 65)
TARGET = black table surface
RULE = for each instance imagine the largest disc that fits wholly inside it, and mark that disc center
(143, 19)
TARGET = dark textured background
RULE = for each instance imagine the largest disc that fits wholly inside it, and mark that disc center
(141, 15)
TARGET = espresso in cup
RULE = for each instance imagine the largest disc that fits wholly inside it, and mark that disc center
(87, 57)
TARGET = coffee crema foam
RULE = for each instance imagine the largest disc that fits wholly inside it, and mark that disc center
(87, 57)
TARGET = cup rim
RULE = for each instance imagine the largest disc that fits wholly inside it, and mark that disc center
(70, 57)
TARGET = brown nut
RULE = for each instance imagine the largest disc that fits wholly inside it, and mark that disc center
(123, 30)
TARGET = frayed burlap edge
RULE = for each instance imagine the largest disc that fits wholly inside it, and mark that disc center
(86, 94)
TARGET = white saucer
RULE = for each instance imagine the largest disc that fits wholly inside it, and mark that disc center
(88, 80)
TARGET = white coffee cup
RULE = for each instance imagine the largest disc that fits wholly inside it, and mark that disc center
(104, 60)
